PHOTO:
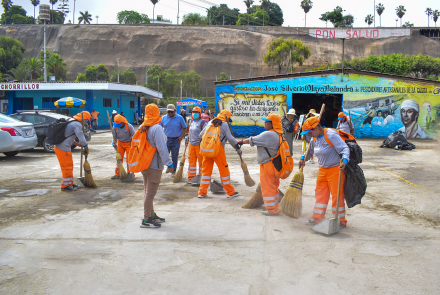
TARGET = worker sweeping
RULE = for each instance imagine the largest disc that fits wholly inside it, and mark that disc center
(193, 143)
(268, 144)
(329, 148)
(217, 130)
(345, 124)
(63, 150)
(122, 134)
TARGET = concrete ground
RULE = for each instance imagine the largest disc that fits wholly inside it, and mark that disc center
(90, 242)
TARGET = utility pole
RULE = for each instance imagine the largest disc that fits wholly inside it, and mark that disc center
(223, 19)
(45, 67)
(178, 4)
(374, 9)
(180, 89)
(97, 19)
(146, 74)
(158, 82)
(44, 16)
(118, 71)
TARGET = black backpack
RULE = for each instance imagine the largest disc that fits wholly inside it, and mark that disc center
(56, 130)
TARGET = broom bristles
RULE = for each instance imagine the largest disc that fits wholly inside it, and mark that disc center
(122, 172)
(179, 173)
(88, 178)
(291, 204)
(256, 200)
(247, 178)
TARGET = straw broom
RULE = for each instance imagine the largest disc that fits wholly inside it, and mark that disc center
(179, 173)
(88, 179)
(247, 178)
(291, 204)
(256, 200)
(122, 172)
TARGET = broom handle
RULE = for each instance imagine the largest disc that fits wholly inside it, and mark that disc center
(339, 191)
(310, 143)
(81, 165)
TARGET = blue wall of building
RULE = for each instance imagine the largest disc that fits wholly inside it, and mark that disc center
(32, 100)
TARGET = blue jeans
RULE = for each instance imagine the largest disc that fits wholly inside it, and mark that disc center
(173, 145)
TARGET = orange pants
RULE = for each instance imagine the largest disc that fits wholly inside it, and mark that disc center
(225, 175)
(270, 181)
(123, 148)
(194, 157)
(326, 183)
(66, 164)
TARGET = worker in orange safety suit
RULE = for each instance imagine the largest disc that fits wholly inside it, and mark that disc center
(220, 160)
(64, 149)
(268, 143)
(193, 143)
(329, 147)
(122, 134)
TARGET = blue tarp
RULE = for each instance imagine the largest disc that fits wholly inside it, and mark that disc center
(191, 102)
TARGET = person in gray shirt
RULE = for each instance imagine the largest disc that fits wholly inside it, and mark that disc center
(329, 147)
(63, 150)
(268, 144)
(122, 134)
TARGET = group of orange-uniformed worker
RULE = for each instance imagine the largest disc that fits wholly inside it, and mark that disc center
(326, 144)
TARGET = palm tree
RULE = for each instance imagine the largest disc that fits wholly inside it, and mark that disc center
(20, 74)
(400, 12)
(428, 12)
(248, 5)
(154, 6)
(35, 3)
(35, 66)
(306, 5)
(369, 19)
(264, 6)
(192, 19)
(52, 2)
(380, 8)
(56, 61)
(86, 17)
(435, 16)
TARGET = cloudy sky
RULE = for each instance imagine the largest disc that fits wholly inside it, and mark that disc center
(293, 14)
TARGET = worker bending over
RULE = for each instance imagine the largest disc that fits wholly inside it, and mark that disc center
(328, 146)
(221, 120)
(122, 134)
(157, 144)
(268, 144)
(196, 126)
(345, 124)
(63, 150)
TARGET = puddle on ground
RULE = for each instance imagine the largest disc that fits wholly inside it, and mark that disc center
(3, 191)
(42, 180)
(32, 192)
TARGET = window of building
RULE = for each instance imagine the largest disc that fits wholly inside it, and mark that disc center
(107, 103)
(131, 104)
(48, 102)
(117, 101)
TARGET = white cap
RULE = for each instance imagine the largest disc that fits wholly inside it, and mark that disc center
(114, 112)
(291, 112)
(410, 104)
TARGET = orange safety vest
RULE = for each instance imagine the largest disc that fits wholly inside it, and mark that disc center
(141, 153)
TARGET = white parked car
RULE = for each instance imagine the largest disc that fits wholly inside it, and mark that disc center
(16, 136)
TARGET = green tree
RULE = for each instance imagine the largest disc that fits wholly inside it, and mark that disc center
(273, 10)
(125, 77)
(17, 15)
(222, 12)
(170, 83)
(283, 53)
(264, 6)
(20, 74)
(154, 6)
(35, 67)
(85, 17)
(369, 19)
(306, 5)
(435, 16)
(400, 12)
(223, 77)
(154, 73)
(81, 78)
(6, 5)
(337, 18)
(56, 62)
(132, 17)
(11, 53)
(428, 12)
(379, 9)
(408, 25)
(35, 3)
(248, 4)
(52, 2)
(191, 82)
(193, 19)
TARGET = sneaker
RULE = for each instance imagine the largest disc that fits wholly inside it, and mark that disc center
(150, 223)
(69, 188)
(312, 161)
(115, 177)
(267, 213)
(157, 218)
(201, 196)
(233, 195)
